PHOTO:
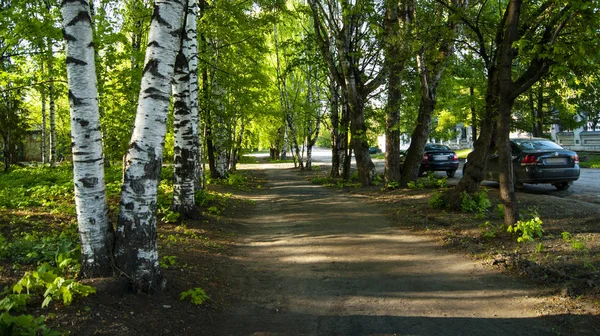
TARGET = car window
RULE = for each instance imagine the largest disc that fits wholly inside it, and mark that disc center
(534, 144)
(436, 147)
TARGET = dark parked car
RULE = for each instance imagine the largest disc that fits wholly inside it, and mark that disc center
(436, 158)
(537, 160)
(374, 150)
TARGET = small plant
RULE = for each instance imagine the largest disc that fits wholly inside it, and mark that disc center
(539, 248)
(393, 185)
(168, 261)
(24, 325)
(500, 210)
(478, 202)
(527, 230)
(436, 201)
(578, 245)
(566, 236)
(433, 181)
(196, 296)
(488, 230)
(56, 287)
(417, 185)
(377, 180)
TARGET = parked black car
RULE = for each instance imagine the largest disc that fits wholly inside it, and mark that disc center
(374, 150)
(436, 158)
(537, 160)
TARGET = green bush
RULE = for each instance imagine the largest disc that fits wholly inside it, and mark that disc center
(527, 230)
(436, 201)
(24, 325)
(478, 202)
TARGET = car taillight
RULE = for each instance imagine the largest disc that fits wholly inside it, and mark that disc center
(529, 160)
(575, 158)
(425, 158)
(455, 157)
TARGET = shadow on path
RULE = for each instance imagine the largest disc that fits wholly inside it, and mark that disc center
(314, 261)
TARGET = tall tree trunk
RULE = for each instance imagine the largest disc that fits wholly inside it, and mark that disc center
(184, 161)
(345, 149)
(220, 132)
(52, 116)
(396, 49)
(136, 245)
(185, 128)
(190, 50)
(478, 158)
(335, 124)
(506, 176)
(358, 129)
(538, 122)
(473, 114)
(95, 231)
(44, 134)
(210, 148)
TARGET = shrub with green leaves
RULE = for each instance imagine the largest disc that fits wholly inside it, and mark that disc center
(478, 202)
(24, 325)
(527, 230)
(436, 201)
(46, 278)
(196, 296)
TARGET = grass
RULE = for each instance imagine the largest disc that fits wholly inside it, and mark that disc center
(590, 159)
(462, 153)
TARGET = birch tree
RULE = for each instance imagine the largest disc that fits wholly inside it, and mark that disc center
(95, 231)
(136, 251)
(186, 160)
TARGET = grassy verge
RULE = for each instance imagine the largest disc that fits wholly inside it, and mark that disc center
(589, 159)
(40, 249)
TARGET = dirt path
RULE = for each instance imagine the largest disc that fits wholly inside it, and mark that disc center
(315, 261)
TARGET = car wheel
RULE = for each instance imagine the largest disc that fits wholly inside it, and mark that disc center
(450, 173)
(562, 186)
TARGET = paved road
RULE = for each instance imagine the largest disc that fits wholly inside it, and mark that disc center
(587, 188)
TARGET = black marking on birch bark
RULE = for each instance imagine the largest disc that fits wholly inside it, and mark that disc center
(68, 37)
(91, 44)
(176, 32)
(152, 67)
(156, 16)
(152, 168)
(81, 16)
(74, 100)
(89, 182)
(154, 44)
(92, 221)
(76, 61)
(88, 161)
(137, 186)
(72, 144)
(83, 123)
(135, 145)
(82, 153)
(128, 205)
(180, 62)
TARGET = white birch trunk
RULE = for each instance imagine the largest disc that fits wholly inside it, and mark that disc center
(136, 246)
(95, 230)
(190, 51)
(219, 129)
(185, 133)
(44, 134)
